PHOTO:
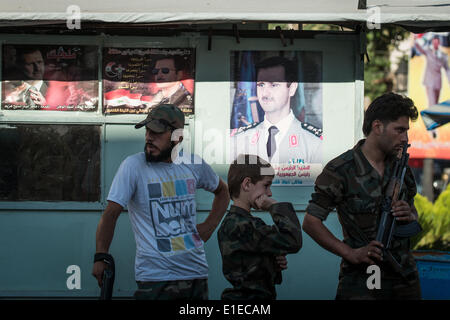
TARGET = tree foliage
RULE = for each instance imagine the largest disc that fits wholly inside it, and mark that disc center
(380, 42)
(435, 221)
(377, 75)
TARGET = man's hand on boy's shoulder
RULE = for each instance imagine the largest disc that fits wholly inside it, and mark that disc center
(264, 202)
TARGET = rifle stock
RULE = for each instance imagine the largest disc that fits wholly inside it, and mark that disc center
(408, 230)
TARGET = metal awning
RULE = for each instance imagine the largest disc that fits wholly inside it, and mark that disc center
(411, 14)
(437, 115)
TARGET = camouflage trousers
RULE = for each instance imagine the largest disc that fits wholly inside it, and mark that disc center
(196, 289)
(353, 286)
(243, 294)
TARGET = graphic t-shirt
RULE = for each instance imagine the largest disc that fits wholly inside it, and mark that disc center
(161, 203)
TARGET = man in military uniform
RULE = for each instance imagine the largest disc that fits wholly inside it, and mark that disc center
(281, 136)
(436, 60)
(253, 253)
(354, 184)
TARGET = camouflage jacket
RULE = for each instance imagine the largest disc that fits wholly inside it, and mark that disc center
(249, 247)
(354, 188)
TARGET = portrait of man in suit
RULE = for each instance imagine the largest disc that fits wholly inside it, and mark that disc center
(29, 68)
(50, 77)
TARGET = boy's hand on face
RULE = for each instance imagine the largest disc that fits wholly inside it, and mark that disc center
(264, 202)
(281, 262)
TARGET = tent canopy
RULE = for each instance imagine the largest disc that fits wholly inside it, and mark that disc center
(424, 15)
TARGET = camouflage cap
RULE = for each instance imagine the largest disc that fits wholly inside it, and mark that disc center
(162, 117)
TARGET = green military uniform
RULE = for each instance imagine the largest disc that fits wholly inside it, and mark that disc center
(351, 185)
(249, 247)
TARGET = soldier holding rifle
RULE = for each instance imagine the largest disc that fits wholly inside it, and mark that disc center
(356, 183)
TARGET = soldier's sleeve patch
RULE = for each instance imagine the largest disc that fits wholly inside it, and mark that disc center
(312, 129)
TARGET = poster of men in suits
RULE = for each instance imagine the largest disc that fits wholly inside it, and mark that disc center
(276, 111)
(50, 77)
(137, 79)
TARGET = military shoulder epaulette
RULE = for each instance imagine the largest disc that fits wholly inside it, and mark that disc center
(312, 129)
(250, 126)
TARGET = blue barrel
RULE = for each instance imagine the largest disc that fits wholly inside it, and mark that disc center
(434, 274)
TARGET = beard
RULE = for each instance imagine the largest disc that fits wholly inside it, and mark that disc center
(163, 156)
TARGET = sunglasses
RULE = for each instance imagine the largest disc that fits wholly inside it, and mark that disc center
(163, 70)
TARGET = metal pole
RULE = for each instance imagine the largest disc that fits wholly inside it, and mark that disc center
(427, 179)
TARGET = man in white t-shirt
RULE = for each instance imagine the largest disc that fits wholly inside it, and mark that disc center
(158, 187)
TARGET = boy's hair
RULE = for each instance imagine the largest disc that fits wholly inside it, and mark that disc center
(247, 165)
(388, 108)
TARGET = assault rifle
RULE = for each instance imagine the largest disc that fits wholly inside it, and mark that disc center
(108, 275)
(388, 227)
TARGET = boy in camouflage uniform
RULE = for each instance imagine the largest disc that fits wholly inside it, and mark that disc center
(354, 183)
(253, 253)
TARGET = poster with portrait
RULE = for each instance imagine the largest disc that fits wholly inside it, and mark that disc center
(137, 79)
(276, 111)
(429, 88)
(50, 77)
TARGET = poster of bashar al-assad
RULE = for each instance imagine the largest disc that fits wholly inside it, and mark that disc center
(137, 79)
(277, 111)
(50, 77)
(429, 88)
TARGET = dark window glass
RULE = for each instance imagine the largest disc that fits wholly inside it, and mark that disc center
(49, 162)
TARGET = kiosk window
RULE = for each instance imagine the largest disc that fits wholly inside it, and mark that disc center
(40, 162)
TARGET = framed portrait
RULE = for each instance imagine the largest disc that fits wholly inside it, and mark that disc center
(276, 111)
(137, 79)
(50, 77)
